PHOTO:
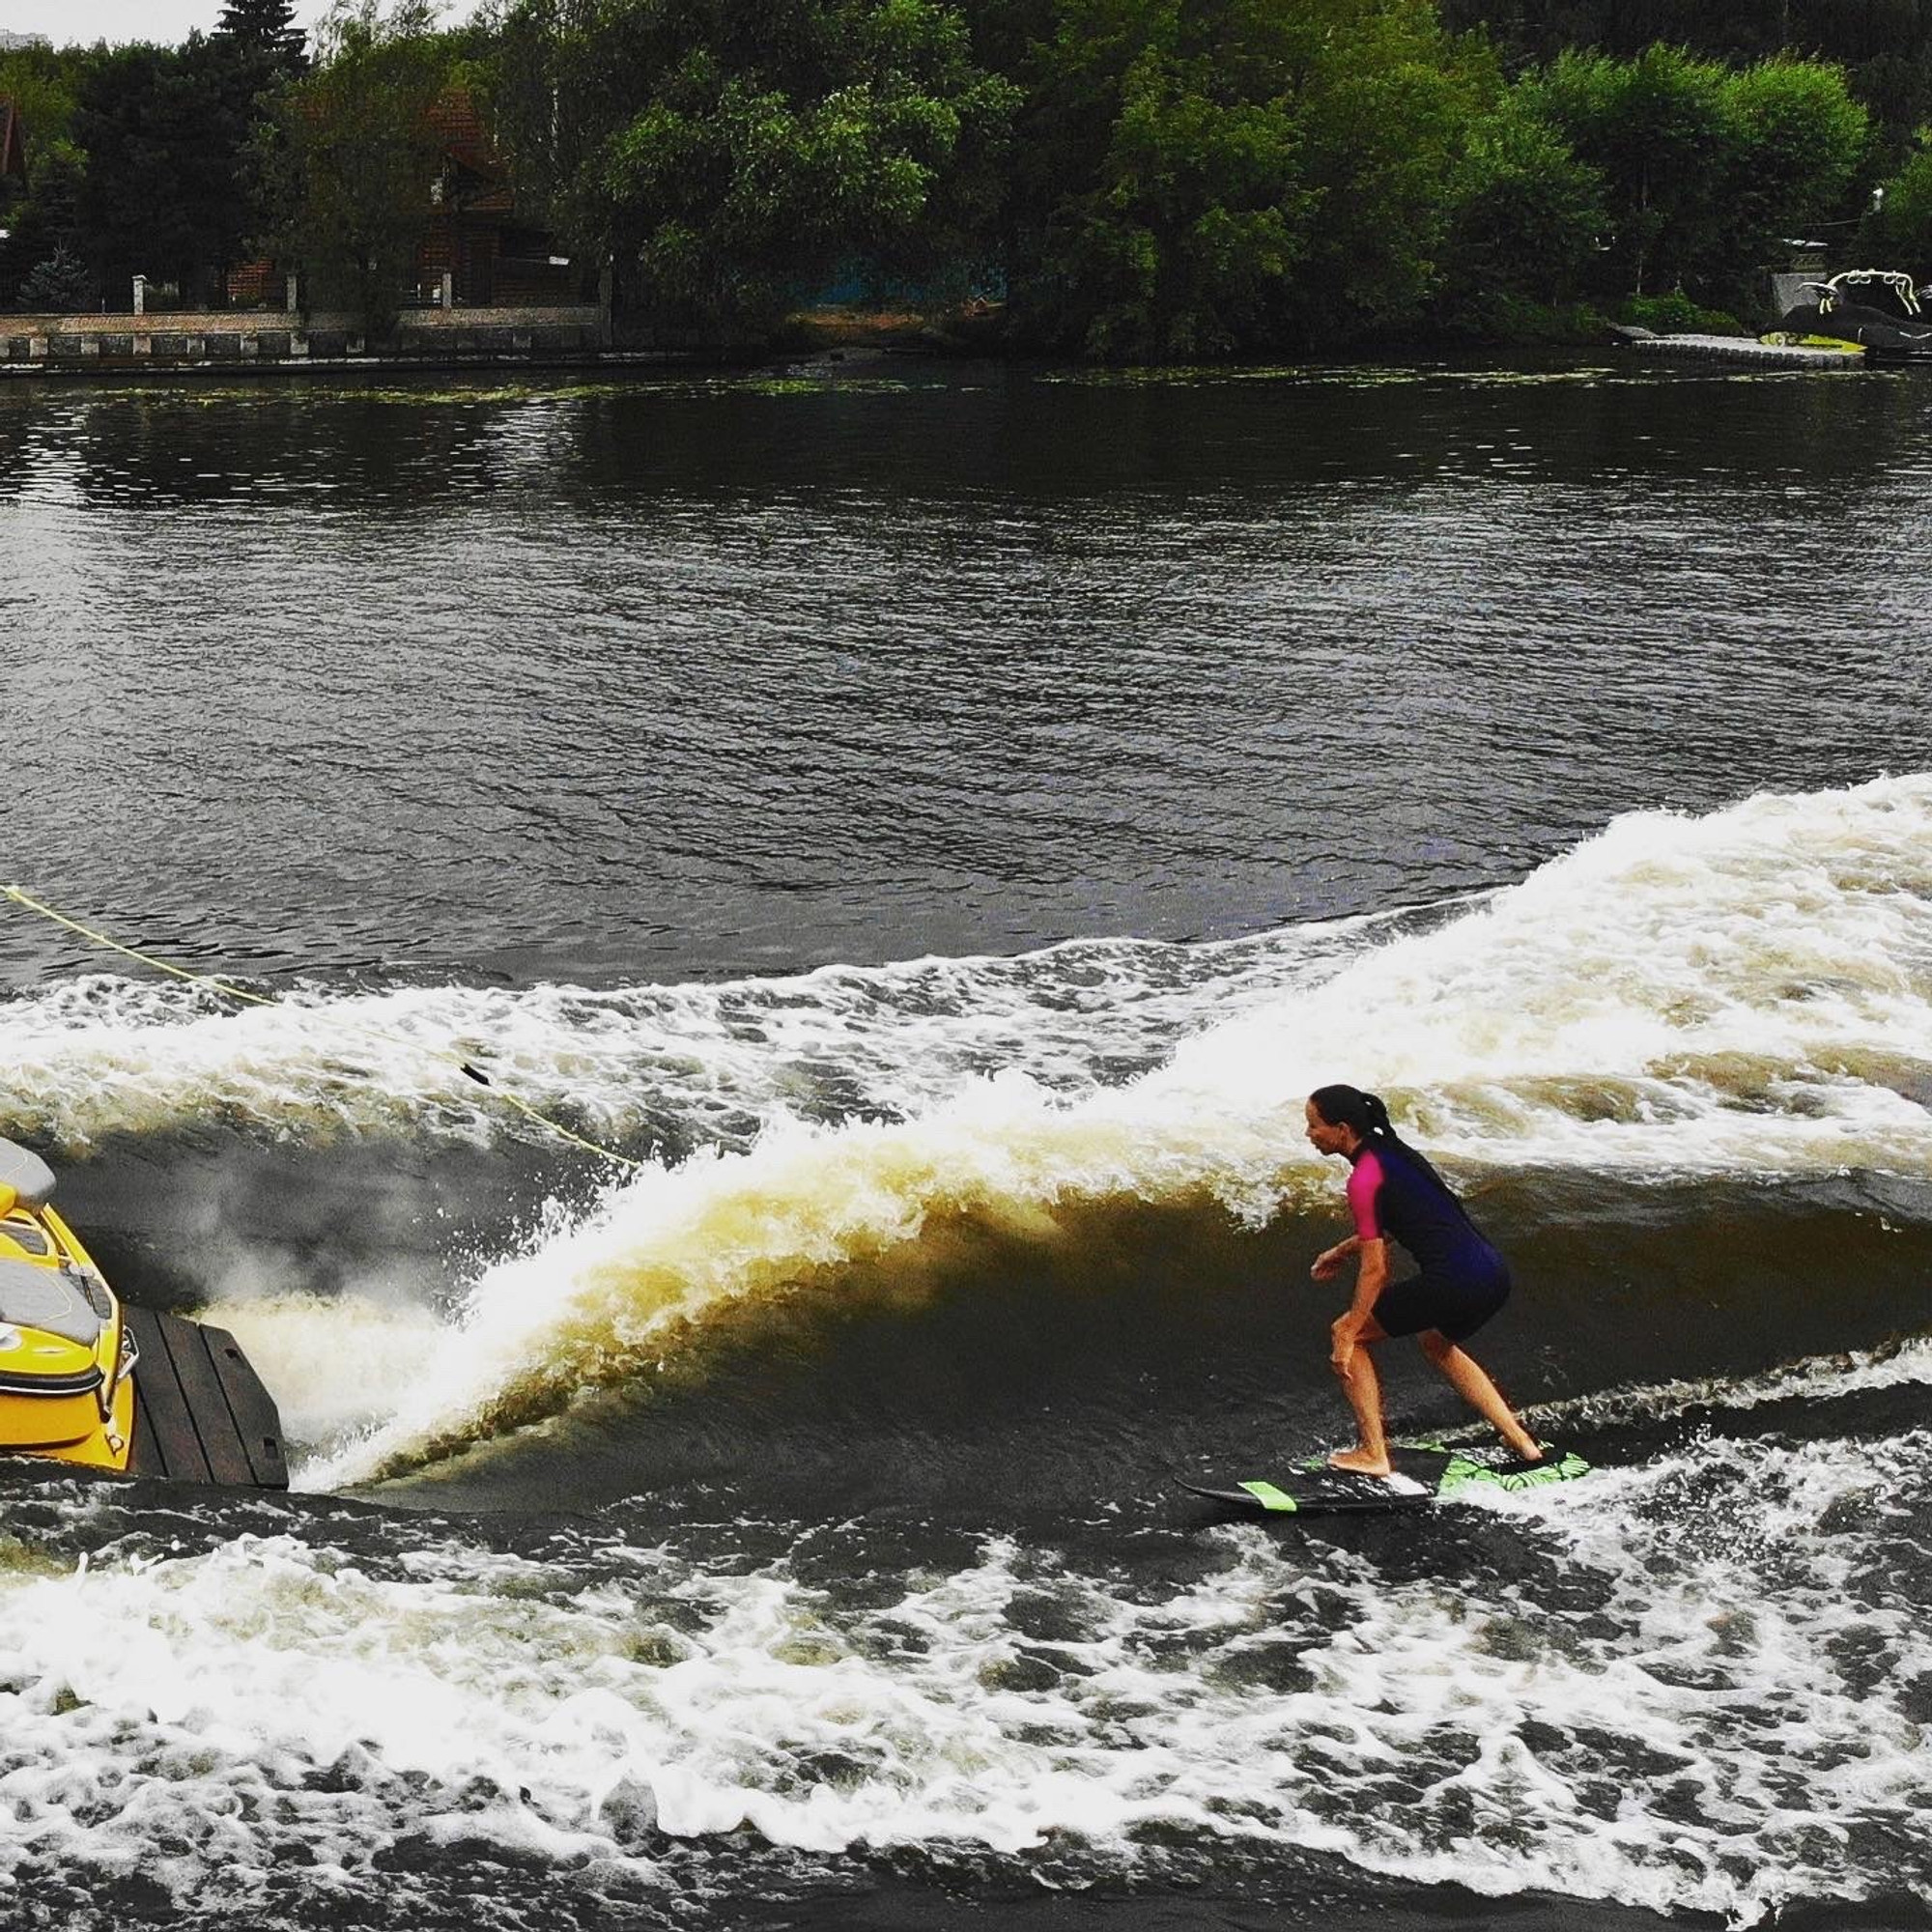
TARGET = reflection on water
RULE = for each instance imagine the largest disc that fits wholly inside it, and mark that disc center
(703, 675)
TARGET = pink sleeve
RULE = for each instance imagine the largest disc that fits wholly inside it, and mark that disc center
(1365, 1182)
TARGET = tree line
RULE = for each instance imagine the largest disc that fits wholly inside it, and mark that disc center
(1133, 178)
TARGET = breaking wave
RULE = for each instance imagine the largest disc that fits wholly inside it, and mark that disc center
(1747, 994)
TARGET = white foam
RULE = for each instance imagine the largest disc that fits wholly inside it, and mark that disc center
(1746, 989)
(1903, 1363)
(1682, 1728)
(1746, 994)
(100, 1054)
(340, 1366)
(1749, 993)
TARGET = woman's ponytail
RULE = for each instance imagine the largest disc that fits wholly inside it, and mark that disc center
(1350, 1107)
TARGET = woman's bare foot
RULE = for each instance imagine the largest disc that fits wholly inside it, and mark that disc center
(1360, 1462)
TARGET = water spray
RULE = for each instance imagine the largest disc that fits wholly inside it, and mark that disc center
(228, 991)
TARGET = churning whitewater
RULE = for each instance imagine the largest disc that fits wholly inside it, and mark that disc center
(1726, 1716)
(1747, 994)
(1700, 1683)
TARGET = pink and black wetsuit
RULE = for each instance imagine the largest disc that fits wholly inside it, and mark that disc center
(1395, 1195)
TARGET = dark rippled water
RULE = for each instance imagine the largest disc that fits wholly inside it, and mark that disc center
(688, 677)
(940, 822)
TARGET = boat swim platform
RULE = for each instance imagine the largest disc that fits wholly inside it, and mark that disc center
(1742, 350)
(201, 1414)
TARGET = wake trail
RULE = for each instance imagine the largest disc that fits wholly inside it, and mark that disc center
(1743, 995)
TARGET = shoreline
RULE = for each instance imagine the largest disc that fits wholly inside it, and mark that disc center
(149, 369)
(820, 339)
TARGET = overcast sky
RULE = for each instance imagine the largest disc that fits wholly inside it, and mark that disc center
(163, 20)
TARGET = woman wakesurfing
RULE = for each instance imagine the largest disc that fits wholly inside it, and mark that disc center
(1395, 1194)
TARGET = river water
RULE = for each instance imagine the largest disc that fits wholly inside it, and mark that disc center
(939, 823)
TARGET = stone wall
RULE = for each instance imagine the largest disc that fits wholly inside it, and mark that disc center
(270, 337)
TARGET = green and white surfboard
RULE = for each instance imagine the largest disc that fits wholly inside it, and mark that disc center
(1425, 1474)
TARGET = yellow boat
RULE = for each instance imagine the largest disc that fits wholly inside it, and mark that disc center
(67, 1358)
(129, 1391)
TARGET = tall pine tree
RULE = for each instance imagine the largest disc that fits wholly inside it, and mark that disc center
(167, 133)
(268, 29)
(255, 53)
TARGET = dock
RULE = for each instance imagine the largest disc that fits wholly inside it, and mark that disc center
(201, 1414)
(1741, 348)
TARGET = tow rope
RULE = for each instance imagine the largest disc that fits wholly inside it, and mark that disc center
(227, 992)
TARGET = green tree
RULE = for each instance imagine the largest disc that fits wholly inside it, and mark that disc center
(1528, 215)
(266, 30)
(349, 158)
(1658, 130)
(1390, 102)
(135, 216)
(167, 133)
(47, 223)
(41, 218)
(1706, 169)
(1186, 245)
(1799, 144)
(728, 159)
(255, 52)
(1898, 231)
(43, 82)
(59, 285)
(557, 90)
(1535, 32)
(1207, 177)
(1883, 45)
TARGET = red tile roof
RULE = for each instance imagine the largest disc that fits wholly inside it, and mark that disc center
(479, 179)
(460, 127)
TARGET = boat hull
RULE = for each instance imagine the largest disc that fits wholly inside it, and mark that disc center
(69, 1426)
(89, 1384)
(65, 1369)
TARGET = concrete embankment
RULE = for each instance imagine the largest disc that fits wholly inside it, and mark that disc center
(232, 342)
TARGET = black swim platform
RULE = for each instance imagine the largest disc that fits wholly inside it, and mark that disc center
(201, 1414)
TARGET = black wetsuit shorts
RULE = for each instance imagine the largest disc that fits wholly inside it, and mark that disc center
(1455, 1305)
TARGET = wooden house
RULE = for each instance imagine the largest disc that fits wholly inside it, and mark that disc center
(493, 260)
(472, 234)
